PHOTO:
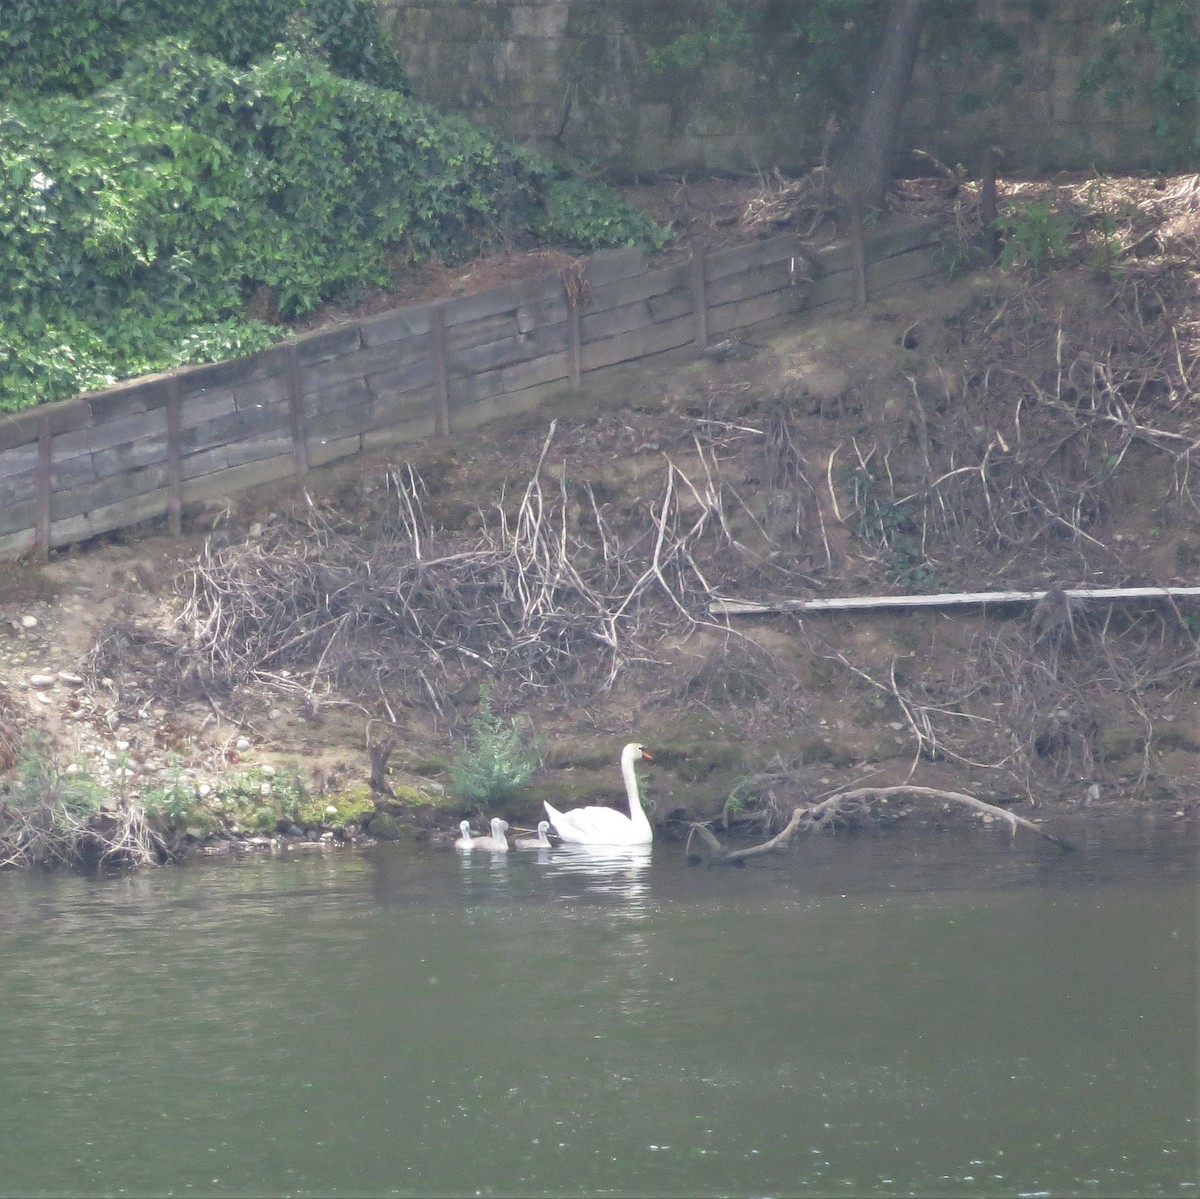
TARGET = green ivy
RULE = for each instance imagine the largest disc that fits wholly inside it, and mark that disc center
(591, 216)
(1172, 30)
(136, 220)
(77, 47)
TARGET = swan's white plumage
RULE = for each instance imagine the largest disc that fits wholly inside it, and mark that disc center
(607, 826)
(464, 842)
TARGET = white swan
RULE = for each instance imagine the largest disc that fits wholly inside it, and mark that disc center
(497, 842)
(464, 842)
(541, 841)
(606, 826)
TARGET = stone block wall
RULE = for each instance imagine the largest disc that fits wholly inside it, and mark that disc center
(572, 77)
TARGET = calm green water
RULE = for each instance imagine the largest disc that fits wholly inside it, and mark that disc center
(920, 1014)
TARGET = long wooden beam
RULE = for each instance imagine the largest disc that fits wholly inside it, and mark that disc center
(961, 599)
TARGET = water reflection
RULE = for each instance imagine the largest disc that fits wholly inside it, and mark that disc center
(611, 872)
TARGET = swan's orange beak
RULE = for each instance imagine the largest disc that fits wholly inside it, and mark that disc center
(647, 756)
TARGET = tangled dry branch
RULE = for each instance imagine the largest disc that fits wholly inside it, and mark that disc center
(544, 591)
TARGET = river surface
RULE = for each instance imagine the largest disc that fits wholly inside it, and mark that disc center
(890, 1013)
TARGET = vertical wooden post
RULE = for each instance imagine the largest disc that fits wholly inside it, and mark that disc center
(174, 474)
(858, 246)
(441, 383)
(699, 295)
(295, 378)
(987, 207)
(41, 489)
(574, 340)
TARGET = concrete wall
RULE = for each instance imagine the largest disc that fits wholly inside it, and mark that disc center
(572, 77)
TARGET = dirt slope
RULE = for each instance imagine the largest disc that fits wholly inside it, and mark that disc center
(1001, 430)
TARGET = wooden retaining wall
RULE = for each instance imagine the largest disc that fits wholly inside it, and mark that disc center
(146, 448)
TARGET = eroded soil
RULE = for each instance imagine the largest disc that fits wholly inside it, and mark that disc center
(1003, 430)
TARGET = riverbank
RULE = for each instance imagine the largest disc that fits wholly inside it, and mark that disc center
(1001, 429)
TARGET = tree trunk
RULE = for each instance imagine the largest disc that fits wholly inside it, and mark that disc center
(871, 156)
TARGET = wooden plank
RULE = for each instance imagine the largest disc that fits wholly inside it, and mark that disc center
(174, 496)
(597, 326)
(351, 394)
(832, 289)
(574, 343)
(18, 487)
(145, 451)
(904, 268)
(519, 319)
(399, 324)
(234, 455)
(17, 517)
(347, 420)
(19, 429)
(105, 493)
(42, 488)
(205, 406)
(638, 343)
(402, 408)
(417, 377)
(118, 431)
(72, 472)
(674, 303)
(699, 296)
(518, 377)
(607, 266)
(257, 393)
(760, 281)
(326, 450)
(118, 405)
(641, 287)
(437, 339)
(219, 484)
(19, 460)
(549, 339)
(403, 430)
(296, 416)
(743, 314)
(117, 515)
(314, 348)
(366, 362)
(736, 260)
(508, 297)
(237, 426)
(213, 376)
(858, 253)
(962, 599)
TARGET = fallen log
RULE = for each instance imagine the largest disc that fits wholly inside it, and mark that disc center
(713, 853)
(865, 603)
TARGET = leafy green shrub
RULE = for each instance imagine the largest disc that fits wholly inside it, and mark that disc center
(171, 801)
(137, 220)
(40, 783)
(1036, 235)
(51, 46)
(497, 760)
(261, 799)
(592, 216)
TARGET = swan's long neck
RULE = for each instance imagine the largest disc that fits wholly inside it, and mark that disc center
(636, 815)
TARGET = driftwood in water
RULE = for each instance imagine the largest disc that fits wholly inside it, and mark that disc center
(854, 802)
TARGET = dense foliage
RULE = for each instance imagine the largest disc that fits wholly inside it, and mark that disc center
(80, 45)
(138, 219)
